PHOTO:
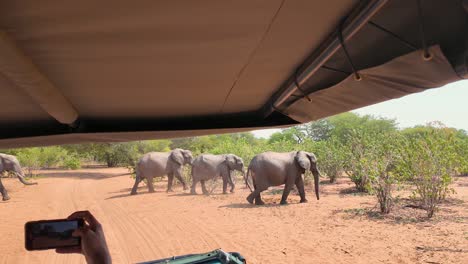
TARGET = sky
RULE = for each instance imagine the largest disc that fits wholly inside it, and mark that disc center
(448, 104)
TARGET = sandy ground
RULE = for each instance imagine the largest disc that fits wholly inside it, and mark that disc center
(336, 229)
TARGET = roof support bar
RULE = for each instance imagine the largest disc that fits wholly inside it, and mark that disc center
(350, 27)
(22, 72)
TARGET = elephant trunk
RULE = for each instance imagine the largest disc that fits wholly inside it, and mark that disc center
(316, 174)
(22, 180)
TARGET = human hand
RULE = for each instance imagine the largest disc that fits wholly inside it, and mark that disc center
(93, 241)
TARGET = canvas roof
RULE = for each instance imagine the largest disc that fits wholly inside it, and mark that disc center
(85, 71)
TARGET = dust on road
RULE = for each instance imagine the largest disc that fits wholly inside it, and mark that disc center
(151, 226)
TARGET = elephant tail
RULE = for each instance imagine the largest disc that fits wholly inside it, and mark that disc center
(249, 182)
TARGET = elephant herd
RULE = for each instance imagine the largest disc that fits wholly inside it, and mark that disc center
(265, 170)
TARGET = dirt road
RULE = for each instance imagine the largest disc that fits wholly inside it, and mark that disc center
(150, 226)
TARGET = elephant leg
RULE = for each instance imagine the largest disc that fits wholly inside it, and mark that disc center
(225, 183)
(194, 186)
(150, 184)
(251, 197)
(170, 179)
(4, 192)
(178, 175)
(255, 195)
(204, 190)
(138, 178)
(287, 189)
(258, 200)
(135, 186)
(300, 189)
(231, 183)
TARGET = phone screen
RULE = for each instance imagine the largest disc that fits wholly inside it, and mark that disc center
(48, 234)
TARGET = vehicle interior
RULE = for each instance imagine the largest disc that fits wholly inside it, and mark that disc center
(115, 71)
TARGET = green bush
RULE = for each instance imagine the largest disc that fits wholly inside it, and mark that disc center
(331, 158)
(117, 154)
(72, 162)
(361, 156)
(52, 156)
(382, 176)
(430, 159)
(29, 159)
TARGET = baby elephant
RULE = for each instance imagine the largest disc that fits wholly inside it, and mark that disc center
(206, 167)
(273, 169)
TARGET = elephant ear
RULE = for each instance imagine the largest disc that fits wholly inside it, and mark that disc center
(177, 156)
(239, 160)
(229, 160)
(312, 157)
(302, 160)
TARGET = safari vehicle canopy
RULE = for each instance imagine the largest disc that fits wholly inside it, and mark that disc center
(83, 71)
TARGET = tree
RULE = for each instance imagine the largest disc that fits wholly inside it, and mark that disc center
(344, 124)
(317, 130)
(114, 154)
(153, 145)
(293, 135)
(281, 137)
(247, 136)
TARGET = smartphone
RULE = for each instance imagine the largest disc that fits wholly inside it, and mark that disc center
(49, 234)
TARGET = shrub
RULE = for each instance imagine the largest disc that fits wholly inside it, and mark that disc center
(331, 156)
(72, 162)
(29, 159)
(430, 160)
(461, 149)
(115, 154)
(52, 156)
(382, 176)
(360, 157)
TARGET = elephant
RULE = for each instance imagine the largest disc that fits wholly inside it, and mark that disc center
(159, 164)
(207, 166)
(273, 169)
(11, 164)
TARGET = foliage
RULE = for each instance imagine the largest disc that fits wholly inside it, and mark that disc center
(82, 151)
(317, 130)
(52, 156)
(332, 157)
(153, 145)
(29, 159)
(115, 154)
(72, 162)
(292, 135)
(382, 176)
(430, 160)
(345, 125)
(362, 154)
